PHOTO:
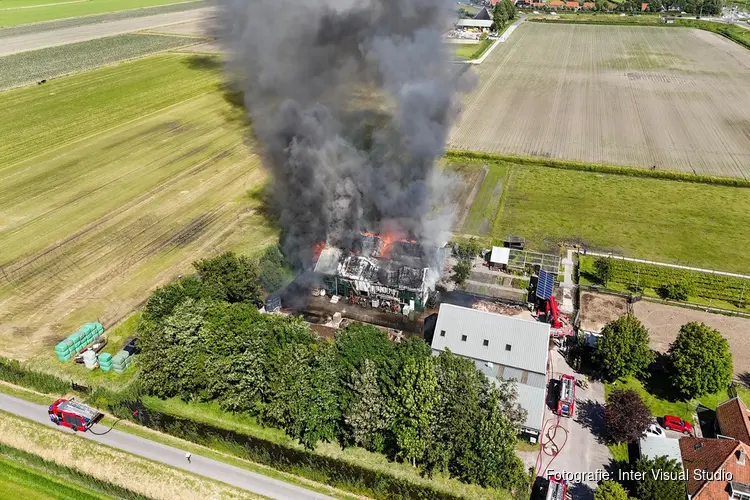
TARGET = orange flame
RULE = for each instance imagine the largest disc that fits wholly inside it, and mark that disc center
(317, 250)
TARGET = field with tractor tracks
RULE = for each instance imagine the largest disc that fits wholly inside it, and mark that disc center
(673, 98)
(114, 181)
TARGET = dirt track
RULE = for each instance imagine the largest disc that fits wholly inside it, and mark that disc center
(641, 96)
(663, 323)
(23, 43)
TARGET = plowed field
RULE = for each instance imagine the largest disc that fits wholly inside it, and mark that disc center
(677, 99)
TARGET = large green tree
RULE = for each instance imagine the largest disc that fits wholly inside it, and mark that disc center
(610, 490)
(700, 360)
(367, 416)
(623, 348)
(658, 485)
(603, 270)
(229, 278)
(416, 396)
(510, 9)
(626, 417)
(500, 15)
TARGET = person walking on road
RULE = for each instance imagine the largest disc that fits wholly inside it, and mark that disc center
(188, 455)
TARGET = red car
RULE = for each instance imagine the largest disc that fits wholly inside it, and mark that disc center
(677, 424)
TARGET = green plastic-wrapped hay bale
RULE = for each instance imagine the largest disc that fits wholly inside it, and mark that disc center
(75, 337)
(105, 357)
(64, 357)
(105, 368)
(62, 347)
(98, 328)
(87, 328)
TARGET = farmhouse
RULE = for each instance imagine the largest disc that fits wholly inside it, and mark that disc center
(716, 468)
(503, 348)
(572, 5)
(589, 5)
(556, 4)
(484, 14)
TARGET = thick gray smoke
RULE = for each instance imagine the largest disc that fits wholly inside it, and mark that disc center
(350, 101)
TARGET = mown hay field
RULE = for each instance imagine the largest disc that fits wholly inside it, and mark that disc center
(684, 223)
(45, 64)
(672, 98)
(15, 12)
(113, 182)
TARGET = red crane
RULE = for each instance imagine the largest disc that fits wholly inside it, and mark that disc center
(554, 310)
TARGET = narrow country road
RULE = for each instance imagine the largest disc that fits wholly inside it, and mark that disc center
(173, 457)
(34, 41)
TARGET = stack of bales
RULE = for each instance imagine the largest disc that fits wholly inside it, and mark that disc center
(121, 361)
(78, 341)
(105, 362)
(89, 360)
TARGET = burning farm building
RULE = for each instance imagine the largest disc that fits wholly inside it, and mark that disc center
(380, 272)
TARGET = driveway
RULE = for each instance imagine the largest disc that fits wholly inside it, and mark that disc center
(578, 439)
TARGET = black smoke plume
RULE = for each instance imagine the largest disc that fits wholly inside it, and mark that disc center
(350, 102)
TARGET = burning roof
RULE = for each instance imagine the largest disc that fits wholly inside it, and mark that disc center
(379, 260)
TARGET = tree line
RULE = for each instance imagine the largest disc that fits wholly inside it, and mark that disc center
(203, 339)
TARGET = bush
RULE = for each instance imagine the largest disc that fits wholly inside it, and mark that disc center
(675, 291)
(12, 371)
(659, 487)
(603, 270)
(700, 360)
(461, 271)
(610, 490)
(623, 348)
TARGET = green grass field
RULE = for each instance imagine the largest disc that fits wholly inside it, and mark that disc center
(472, 51)
(22, 482)
(45, 64)
(677, 222)
(15, 12)
(114, 181)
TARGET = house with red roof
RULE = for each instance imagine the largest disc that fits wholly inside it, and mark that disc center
(716, 468)
(644, 7)
(572, 5)
(556, 4)
(733, 420)
(589, 5)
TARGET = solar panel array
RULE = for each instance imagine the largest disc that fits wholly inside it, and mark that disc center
(545, 285)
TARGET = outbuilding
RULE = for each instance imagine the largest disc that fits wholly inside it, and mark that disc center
(503, 348)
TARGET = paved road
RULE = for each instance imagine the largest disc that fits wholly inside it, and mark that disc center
(34, 41)
(173, 457)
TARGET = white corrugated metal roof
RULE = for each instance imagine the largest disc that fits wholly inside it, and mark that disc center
(474, 23)
(528, 340)
(500, 255)
(532, 400)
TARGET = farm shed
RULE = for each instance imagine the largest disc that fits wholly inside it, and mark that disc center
(503, 348)
(480, 24)
(499, 256)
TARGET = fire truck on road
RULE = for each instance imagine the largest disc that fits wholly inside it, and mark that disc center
(566, 404)
(73, 414)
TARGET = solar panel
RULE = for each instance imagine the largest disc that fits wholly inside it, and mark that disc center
(545, 285)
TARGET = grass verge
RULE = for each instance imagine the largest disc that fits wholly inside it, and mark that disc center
(473, 51)
(630, 215)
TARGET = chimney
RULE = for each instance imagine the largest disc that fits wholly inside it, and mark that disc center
(741, 455)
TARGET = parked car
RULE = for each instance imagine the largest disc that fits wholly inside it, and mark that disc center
(655, 431)
(677, 424)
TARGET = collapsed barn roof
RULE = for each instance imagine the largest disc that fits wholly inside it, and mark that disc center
(394, 264)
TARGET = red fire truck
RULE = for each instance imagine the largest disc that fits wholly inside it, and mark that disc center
(73, 414)
(566, 404)
(557, 489)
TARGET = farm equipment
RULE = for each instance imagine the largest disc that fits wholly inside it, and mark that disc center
(73, 414)
(566, 403)
(96, 346)
(557, 489)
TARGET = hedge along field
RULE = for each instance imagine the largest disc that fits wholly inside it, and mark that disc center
(17, 12)
(625, 95)
(677, 222)
(45, 64)
(114, 181)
